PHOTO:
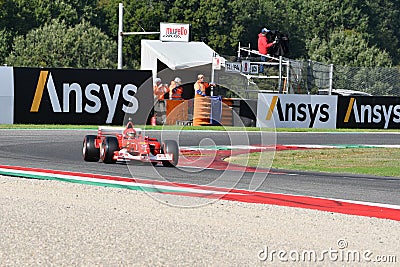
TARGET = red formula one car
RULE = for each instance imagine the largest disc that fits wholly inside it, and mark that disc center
(124, 144)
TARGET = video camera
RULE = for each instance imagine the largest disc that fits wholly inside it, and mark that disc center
(281, 47)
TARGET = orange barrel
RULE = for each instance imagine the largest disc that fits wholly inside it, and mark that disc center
(227, 116)
(177, 110)
(201, 111)
(227, 113)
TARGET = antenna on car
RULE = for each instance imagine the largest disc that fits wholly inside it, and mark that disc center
(130, 123)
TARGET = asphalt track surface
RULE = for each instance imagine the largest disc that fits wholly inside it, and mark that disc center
(62, 150)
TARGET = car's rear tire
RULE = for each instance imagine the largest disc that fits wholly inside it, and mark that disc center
(170, 146)
(89, 150)
(108, 147)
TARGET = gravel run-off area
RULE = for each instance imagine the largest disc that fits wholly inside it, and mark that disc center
(64, 224)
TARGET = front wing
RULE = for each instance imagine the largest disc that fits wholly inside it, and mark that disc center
(124, 155)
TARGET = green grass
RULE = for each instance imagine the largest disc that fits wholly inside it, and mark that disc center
(148, 127)
(177, 127)
(46, 126)
(370, 161)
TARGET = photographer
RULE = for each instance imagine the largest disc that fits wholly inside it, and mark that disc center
(263, 46)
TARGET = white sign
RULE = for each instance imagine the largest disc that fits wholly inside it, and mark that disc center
(216, 63)
(253, 69)
(296, 111)
(246, 66)
(235, 67)
(6, 95)
(174, 32)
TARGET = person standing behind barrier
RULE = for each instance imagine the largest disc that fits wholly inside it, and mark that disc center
(263, 46)
(202, 104)
(176, 89)
(200, 86)
(159, 91)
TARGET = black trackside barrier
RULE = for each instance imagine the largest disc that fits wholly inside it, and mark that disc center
(366, 112)
(81, 96)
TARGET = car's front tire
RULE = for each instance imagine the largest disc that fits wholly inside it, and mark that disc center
(108, 147)
(89, 150)
(171, 146)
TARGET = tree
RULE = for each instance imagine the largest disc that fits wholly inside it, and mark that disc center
(348, 48)
(91, 48)
(139, 16)
(221, 24)
(56, 45)
(383, 25)
(5, 43)
(18, 17)
(24, 15)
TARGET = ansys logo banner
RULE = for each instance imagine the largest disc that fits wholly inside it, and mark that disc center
(296, 111)
(79, 96)
(367, 112)
(91, 93)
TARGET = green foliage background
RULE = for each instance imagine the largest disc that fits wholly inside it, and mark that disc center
(72, 33)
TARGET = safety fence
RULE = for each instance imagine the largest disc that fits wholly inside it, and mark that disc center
(309, 77)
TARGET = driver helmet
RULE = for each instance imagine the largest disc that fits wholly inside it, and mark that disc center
(131, 133)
